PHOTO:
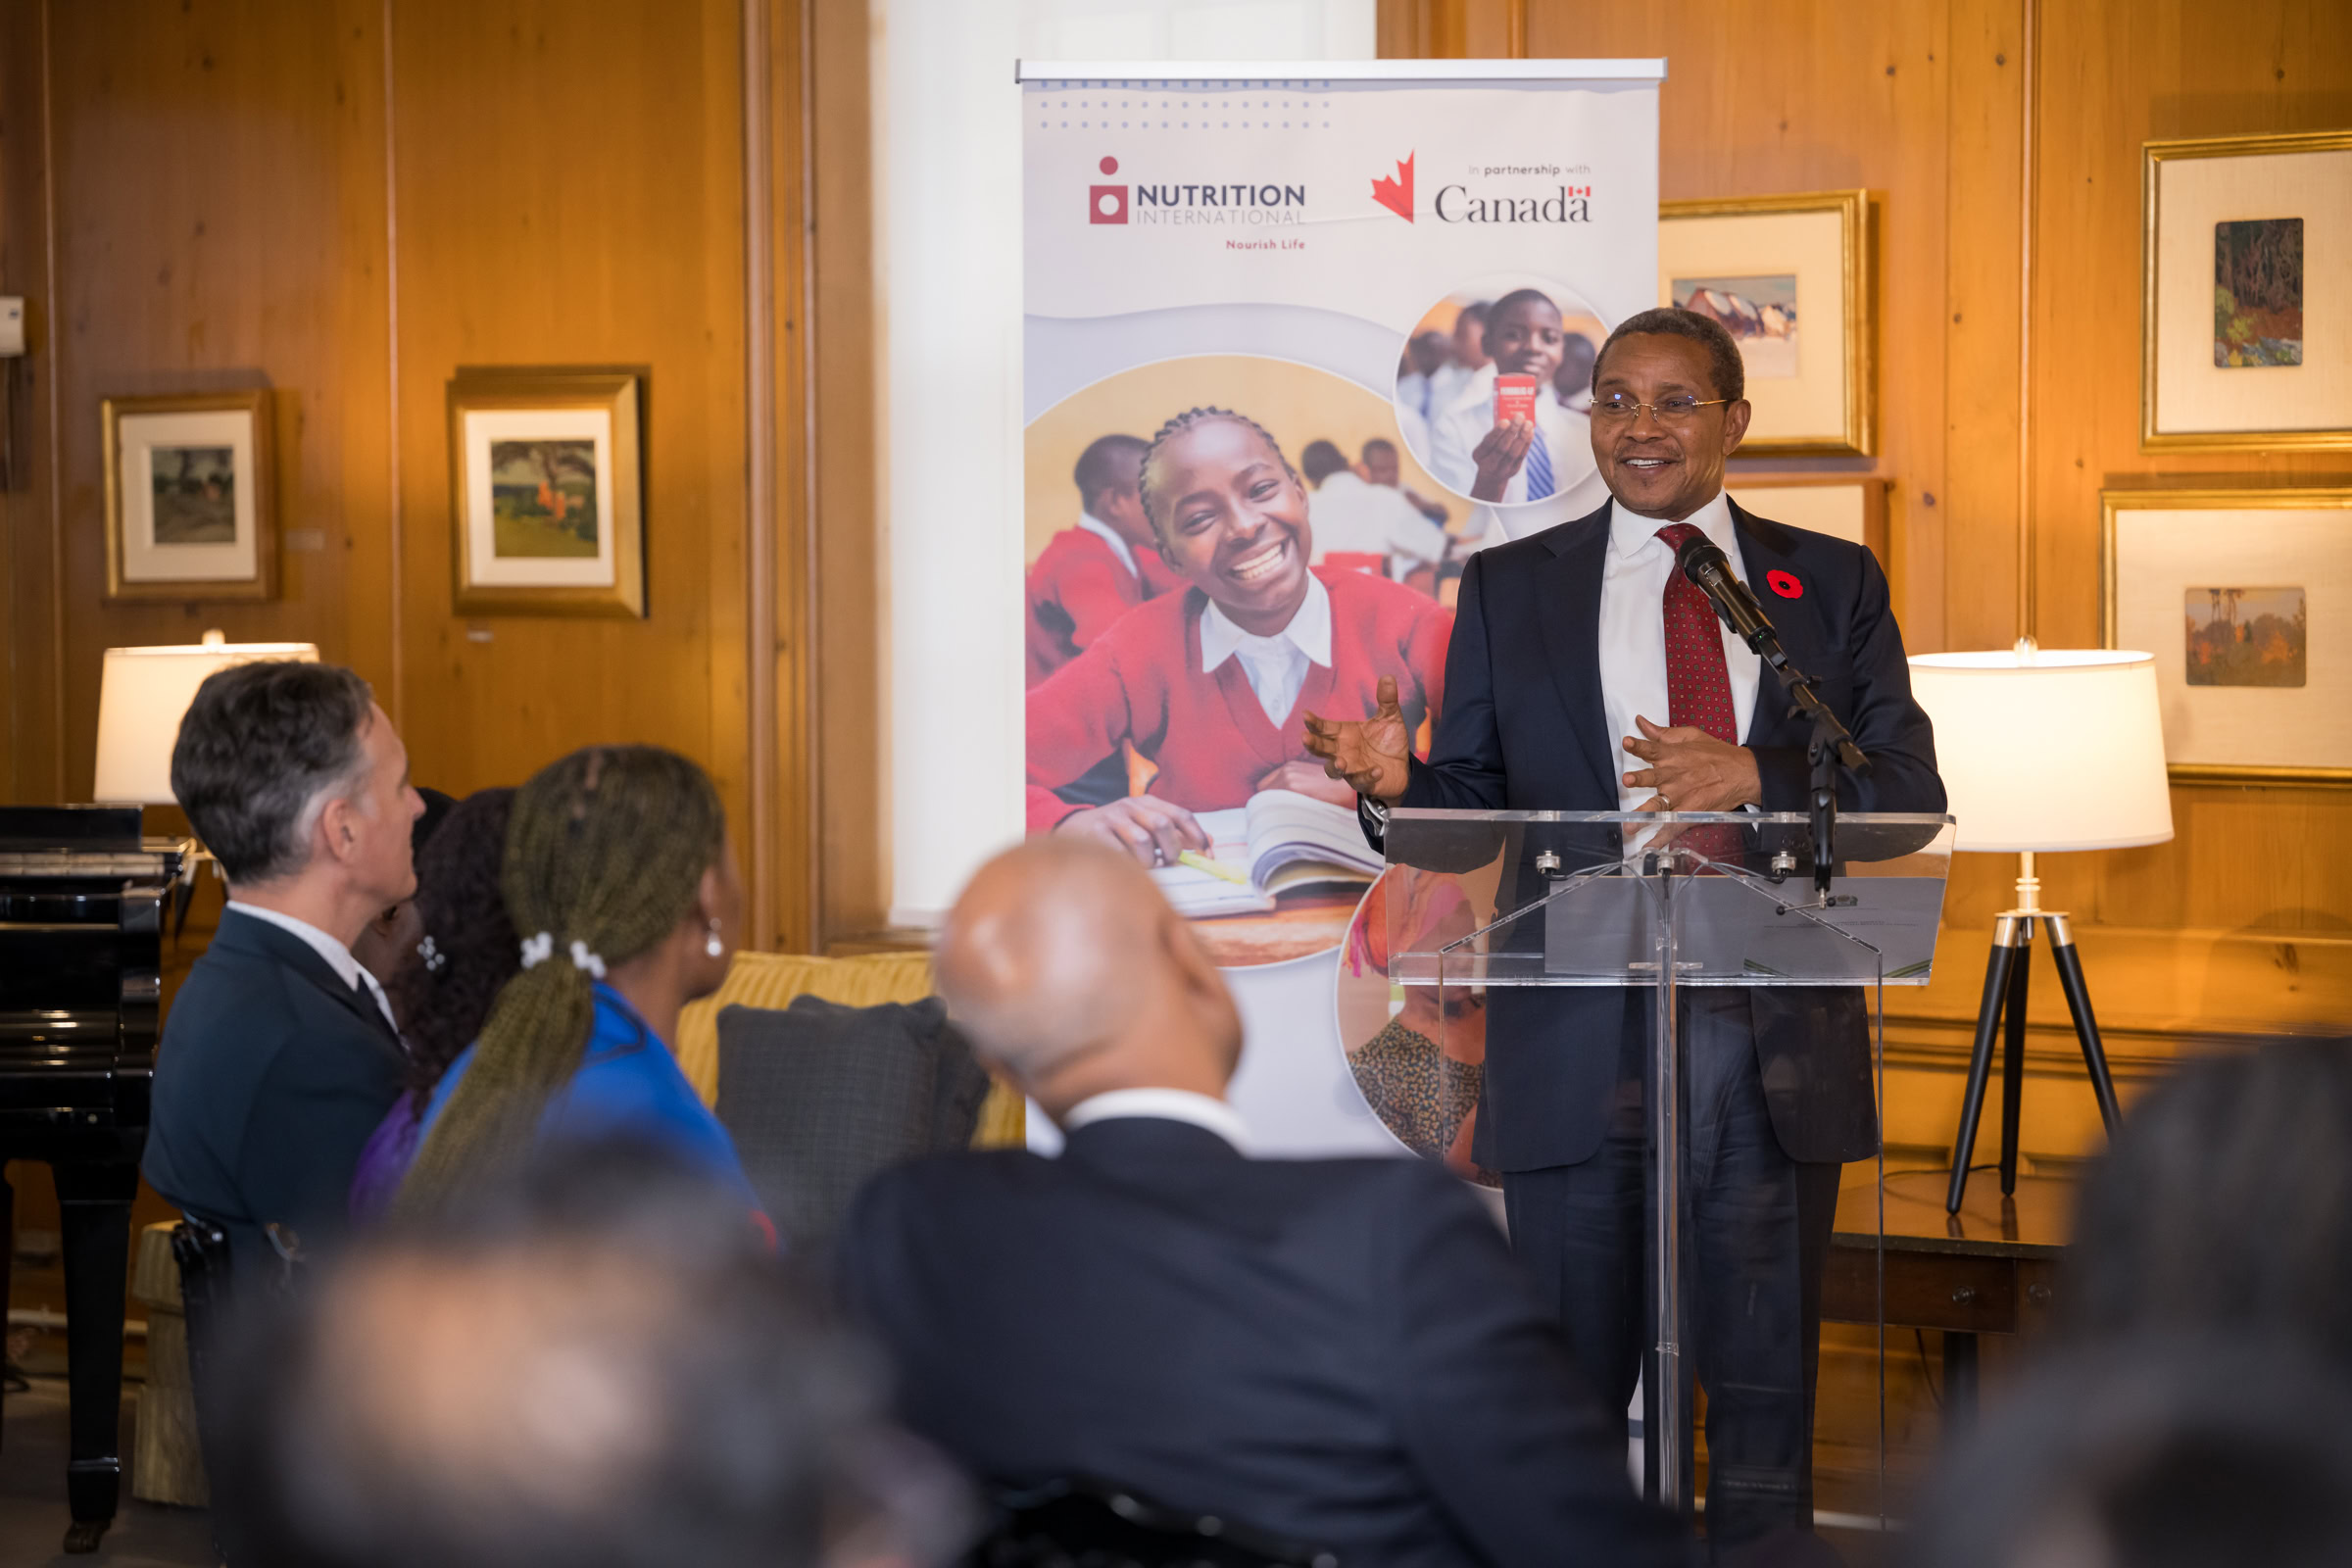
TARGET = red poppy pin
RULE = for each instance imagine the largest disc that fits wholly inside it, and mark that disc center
(1786, 586)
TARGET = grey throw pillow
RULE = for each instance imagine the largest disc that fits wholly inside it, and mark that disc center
(819, 1097)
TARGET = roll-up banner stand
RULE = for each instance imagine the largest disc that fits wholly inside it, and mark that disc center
(1361, 268)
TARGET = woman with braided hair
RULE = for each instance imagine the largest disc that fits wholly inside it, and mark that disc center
(621, 880)
(1212, 683)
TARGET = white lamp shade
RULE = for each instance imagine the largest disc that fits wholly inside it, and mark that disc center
(2049, 749)
(142, 696)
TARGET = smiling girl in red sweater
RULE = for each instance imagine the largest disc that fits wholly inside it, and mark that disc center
(1213, 682)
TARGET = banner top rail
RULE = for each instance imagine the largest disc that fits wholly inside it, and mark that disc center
(1330, 71)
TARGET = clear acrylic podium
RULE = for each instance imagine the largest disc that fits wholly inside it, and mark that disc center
(1661, 903)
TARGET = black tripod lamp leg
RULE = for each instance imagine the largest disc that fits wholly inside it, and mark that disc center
(1997, 968)
(2013, 1052)
(2087, 1027)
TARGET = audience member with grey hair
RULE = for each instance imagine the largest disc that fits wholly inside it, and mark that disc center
(597, 1365)
(279, 1057)
(1336, 1352)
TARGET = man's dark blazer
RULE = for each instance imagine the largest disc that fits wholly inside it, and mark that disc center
(1338, 1351)
(269, 1077)
(1524, 728)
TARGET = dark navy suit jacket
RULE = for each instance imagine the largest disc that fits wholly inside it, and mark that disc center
(269, 1077)
(1338, 1351)
(1524, 728)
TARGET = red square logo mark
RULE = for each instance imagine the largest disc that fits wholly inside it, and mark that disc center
(1106, 204)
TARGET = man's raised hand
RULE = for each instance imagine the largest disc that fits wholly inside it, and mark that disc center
(1691, 770)
(1371, 753)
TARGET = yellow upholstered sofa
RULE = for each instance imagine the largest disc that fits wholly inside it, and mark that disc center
(773, 979)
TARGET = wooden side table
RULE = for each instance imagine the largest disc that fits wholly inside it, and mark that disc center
(1992, 1268)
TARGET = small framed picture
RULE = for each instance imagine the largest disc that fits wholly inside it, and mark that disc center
(1789, 277)
(2246, 302)
(2245, 598)
(1848, 507)
(546, 491)
(190, 513)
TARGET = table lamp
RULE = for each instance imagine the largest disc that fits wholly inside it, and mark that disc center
(2041, 749)
(143, 693)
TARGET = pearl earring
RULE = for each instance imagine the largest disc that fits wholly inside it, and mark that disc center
(711, 945)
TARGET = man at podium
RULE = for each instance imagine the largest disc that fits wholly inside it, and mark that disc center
(1584, 673)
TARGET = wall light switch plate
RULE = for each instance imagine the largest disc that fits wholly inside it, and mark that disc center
(12, 324)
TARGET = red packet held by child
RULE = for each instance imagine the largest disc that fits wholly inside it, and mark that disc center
(1514, 398)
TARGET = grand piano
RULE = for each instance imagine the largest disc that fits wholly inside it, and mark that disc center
(81, 903)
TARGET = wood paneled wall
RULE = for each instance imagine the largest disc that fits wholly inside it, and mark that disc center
(346, 200)
(2243, 923)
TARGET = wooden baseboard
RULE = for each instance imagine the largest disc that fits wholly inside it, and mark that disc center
(887, 939)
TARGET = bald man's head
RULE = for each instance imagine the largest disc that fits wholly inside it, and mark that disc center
(1066, 967)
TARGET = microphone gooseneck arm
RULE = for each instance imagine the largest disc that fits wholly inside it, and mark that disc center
(1707, 567)
(1711, 571)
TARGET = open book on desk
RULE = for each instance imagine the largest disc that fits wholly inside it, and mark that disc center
(1280, 842)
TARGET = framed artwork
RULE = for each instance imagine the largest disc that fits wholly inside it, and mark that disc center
(1789, 276)
(2245, 599)
(546, 491)
(190, 512)
(1850, 507)
(2246, 299)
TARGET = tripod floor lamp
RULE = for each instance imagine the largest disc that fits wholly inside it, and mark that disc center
(2040, 750)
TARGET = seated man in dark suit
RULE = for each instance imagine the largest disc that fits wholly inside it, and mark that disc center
(1338, 1353)
(279, 1055)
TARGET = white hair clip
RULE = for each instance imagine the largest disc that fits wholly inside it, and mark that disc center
(538, 949)
(583, 958)
(430, 952)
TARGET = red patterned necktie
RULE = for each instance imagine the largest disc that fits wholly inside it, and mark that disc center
(1698, 679)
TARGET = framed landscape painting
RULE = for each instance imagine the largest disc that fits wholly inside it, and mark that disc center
(2246, 306)
(2245, 599)
(189, 506)
(545, 492)
(1788, 276)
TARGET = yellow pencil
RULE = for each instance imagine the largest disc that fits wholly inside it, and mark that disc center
(1201, 863)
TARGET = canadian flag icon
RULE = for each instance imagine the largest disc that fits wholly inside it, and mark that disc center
(1396, 195)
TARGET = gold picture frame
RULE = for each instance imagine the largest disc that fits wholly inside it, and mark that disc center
(1830, 405)
(191, 500)
(2151, 573)
(1844, 505)
(547, 498)
(2178, 367)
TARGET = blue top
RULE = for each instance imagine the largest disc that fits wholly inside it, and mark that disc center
(628, 1085)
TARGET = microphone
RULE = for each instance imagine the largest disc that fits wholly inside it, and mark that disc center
(1710, 570)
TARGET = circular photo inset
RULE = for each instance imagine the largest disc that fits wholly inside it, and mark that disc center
(1418, 1053)
(1494, 390)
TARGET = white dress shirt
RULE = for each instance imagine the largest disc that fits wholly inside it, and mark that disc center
(1275, 666)
(1455, 432)
(1164, 1105)
(338, 957)
(1633, 630)
(1110, 536)
(1349, 513)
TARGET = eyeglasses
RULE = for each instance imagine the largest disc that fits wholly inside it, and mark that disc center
(1667, 411)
